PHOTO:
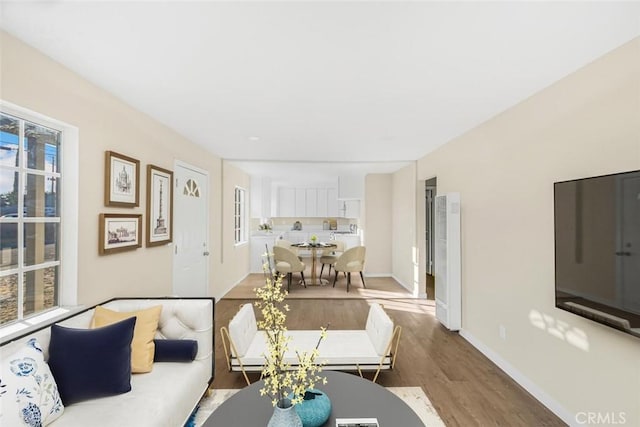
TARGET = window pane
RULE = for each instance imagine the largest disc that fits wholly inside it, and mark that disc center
(40, 290)
(8, 246)
(8, 298)
(9, 129)
(41, 146)
(40, 243)
(8, 193)
(41, 196)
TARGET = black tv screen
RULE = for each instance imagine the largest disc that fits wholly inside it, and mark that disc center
(597, 249)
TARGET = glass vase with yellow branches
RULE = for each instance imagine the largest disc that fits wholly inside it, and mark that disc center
(283, 383)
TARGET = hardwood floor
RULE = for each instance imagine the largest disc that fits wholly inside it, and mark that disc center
(464, 386)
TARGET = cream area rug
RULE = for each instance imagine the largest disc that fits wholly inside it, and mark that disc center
(412, 396)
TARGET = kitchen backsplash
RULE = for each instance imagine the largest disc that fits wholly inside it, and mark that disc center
(308, 223)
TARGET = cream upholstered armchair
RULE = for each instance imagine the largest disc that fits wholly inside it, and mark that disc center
(283, 243)
(329, 257)
(288, 263)
(352, 260)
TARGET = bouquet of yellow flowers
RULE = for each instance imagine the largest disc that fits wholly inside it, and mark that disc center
(284, 384)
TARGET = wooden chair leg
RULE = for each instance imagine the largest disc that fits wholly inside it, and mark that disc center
(322, 269)
(362, 277)
(303, 282)
(289, 282)
(348, 280)
(335, 279)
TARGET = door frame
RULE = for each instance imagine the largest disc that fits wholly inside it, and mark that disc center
(182, 164)
(430, 193)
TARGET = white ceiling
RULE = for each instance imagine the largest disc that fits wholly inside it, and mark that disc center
(296, 81)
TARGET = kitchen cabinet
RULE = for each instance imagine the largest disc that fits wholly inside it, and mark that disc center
(350, 240)
(311, 202)
(286, 201)
(323, 236)
(350, 187)
(332, 203)
(260, 197)
(307, 202)
(257, 244)
(321, 202)
(352, 209)
(296, 236)
(301, 202)
(349, 208)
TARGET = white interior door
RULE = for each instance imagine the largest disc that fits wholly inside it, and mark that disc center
(191, 232)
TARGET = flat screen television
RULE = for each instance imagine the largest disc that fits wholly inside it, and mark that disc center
(597, 249)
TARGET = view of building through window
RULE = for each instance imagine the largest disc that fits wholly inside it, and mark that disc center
(29, 217)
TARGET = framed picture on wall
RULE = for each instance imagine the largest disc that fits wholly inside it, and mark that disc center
(119, 232)
(159, 206)
(122, 180)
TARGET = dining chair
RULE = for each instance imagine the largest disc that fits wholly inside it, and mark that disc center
(330, 256)
(352, 260)
(289, 245)
(287, 262)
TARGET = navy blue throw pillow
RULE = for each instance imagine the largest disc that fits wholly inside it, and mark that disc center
(175, 350)
(91, 363)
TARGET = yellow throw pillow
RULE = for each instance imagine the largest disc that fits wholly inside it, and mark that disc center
(142, 347)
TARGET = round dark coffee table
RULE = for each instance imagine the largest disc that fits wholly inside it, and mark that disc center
(351, 397)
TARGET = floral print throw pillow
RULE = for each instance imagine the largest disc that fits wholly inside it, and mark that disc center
(28, 392)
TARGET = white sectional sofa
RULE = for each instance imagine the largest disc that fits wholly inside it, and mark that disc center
(164, 397)
(372, 349)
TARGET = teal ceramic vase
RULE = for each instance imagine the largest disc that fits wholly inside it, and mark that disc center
(284, 415)
(315, 409)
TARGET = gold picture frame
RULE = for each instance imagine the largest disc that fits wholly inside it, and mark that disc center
(159, 206)
(122, 180)
(119, 233)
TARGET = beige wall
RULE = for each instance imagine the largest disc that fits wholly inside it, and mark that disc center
(404, 259)
(584, 125)
(377, 220)
(235, 258)
(33, 81)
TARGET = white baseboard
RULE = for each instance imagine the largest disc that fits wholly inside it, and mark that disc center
(537, 392)
(378, 275)
(410, 289)
(226, 291)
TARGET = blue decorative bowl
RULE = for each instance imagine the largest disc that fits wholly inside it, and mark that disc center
(314, 411)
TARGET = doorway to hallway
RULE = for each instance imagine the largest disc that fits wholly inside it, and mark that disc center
(430, 196)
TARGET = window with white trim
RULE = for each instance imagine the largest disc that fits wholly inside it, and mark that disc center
(240, 216)
(34, 251)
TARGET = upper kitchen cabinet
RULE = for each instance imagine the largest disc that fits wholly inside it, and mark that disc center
(332, 202)
(260, 197)
(301, 202)
(321, 202)
(311, 202)
(286, 201)
(308, 202)
(351, 187)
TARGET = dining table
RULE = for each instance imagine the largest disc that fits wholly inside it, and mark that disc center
(314, 247)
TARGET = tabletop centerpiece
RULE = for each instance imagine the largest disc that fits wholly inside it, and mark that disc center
(314, 240)
(285, 385)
